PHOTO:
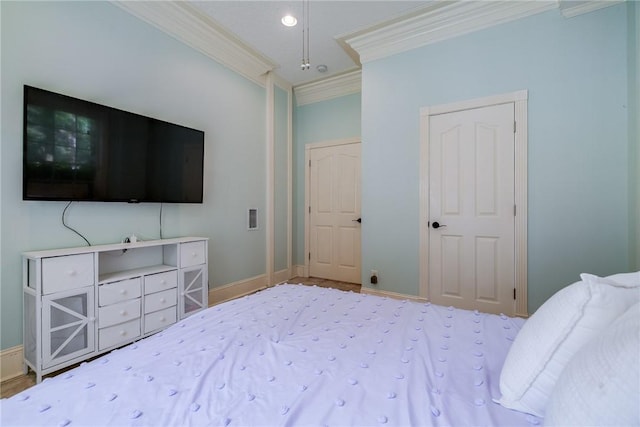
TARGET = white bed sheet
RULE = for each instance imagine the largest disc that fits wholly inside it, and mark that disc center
(292, 355)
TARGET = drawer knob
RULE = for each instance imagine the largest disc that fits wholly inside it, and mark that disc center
(163, 319)
(163, 282)
(92, 319)
(123, 291)
(123, 312)
(162, 300)
(72, 272)
(123, 333)
(193, 254)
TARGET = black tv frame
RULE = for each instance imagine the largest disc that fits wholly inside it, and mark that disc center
(78, 150)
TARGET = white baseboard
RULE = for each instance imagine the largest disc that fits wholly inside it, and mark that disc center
(282, 276)
(237, 289)
(299, 271)
(390, 294)
(245, 287)
(11, 363)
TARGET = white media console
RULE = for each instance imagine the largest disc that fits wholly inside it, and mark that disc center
(81, 302)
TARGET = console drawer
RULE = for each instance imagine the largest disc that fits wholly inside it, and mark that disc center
(160, 319)
(192, 253)
(160, 300)
(160, 282)
(110, 293)
(67, 272)
(122, 333)
(118, 313)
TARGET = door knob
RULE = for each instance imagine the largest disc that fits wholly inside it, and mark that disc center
(359, 220)
(436, 224)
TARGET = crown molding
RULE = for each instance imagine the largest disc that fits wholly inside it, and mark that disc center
(569, 9)
(329, 88)
(197, 30)
(438, 22)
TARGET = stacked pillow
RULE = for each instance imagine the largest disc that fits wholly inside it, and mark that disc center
(600, 386)
(626, 279)
(550, 338)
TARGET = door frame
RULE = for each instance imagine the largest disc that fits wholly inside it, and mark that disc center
(307, 190)
(519, 99)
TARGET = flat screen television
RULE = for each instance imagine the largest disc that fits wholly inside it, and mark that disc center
(77, 150)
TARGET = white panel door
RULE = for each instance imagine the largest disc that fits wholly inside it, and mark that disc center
(471, 209)
(334, 215)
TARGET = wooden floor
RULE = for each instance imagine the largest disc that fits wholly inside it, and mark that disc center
(343, 286)
(16, 385)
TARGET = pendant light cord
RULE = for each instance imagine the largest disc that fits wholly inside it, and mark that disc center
(305, 35)
(308, 34)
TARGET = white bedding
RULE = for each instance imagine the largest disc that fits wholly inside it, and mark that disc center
(292, 355)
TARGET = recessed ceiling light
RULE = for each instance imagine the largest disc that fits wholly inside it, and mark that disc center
(322, 68)
(289, 21)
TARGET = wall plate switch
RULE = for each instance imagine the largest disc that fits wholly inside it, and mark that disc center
(374, 277)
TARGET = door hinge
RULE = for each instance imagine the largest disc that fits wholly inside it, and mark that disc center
(309, 209)
(514, 126)
(514, 293)
(310, 258)
(309, 162)
(514, 210)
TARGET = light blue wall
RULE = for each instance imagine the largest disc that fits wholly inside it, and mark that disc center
(338, 118)
(96, 51)
(576, 73)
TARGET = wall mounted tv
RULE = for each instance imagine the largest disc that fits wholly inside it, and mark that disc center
(76, 150)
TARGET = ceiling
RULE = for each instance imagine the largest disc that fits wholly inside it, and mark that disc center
(257, 24)
(248, 37)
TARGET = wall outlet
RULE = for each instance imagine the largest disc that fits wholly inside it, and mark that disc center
(374, 277)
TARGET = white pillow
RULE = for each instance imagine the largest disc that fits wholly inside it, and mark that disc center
(600, 386)
(553, 334)
(629, 279)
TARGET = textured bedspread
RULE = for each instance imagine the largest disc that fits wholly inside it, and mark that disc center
(292, 355)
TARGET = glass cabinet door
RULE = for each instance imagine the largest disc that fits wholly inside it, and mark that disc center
(68, 330)
(193, 290)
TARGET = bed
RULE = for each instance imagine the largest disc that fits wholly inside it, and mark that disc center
(292, 355)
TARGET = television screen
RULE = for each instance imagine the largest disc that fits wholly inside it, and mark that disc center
(80, 150)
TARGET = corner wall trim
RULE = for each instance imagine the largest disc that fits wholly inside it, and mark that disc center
(580, 8)
(329, 88)
(197, 30)
(437, 22)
